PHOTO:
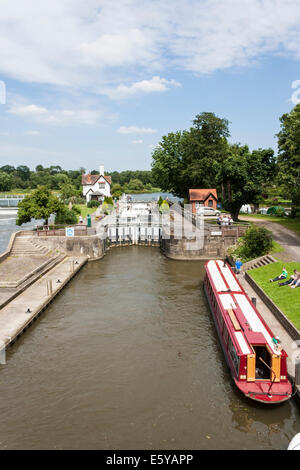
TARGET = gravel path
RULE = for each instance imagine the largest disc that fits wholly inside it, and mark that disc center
(288, 239)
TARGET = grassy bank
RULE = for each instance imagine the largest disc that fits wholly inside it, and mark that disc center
(287, 299)
(84, 210)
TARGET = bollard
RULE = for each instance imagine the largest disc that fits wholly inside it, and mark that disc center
(49, 288)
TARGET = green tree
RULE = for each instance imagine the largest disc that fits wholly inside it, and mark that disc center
(6, 181)
(67, 190)
(67, 216)
(168, 165)
(242, 176)
(289, 157)
(135, 185)
(23, 172)
(191, 159)
(40, 204)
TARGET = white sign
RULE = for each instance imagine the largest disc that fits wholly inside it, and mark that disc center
(69, 231)
(216, 233)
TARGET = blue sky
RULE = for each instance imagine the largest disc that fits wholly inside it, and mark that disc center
(97, 81)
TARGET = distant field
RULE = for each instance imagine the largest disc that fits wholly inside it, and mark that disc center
(287, 299)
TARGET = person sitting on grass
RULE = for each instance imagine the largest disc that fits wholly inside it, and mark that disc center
(296, 282)
(293, 277)
(283, 275)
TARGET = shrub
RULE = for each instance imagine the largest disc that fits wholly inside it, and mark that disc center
(256, 242)
(93, 204)
(66, 217)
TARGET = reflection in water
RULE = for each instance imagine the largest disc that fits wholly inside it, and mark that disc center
(127, 357)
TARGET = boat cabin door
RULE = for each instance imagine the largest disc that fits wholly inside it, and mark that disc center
(259, 364)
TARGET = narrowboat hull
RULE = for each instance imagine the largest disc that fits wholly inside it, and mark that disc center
(259, 390)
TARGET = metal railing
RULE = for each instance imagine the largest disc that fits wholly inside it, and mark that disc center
(60, 230)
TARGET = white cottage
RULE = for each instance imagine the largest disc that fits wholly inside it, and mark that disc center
(95, 187)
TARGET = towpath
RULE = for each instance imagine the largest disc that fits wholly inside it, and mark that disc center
(289, 240)
(22, 310)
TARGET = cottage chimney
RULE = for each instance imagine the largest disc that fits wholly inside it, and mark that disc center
(101, 168)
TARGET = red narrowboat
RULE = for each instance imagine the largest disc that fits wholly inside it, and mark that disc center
(256, 360)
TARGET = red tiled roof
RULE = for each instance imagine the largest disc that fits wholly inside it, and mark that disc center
(92, 179)
(202, 194)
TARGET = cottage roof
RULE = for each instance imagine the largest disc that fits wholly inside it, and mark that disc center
(92, 179)
(202, 194)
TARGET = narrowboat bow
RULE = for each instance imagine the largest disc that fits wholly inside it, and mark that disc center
(256, 360)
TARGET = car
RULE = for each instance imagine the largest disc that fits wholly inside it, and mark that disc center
(208, 211)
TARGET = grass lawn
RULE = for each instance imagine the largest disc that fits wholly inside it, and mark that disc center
(287, 299)
(291, 224)
(86, 210)
(276, 248)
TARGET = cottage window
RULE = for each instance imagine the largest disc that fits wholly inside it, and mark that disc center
(210, 203)
(101, 185)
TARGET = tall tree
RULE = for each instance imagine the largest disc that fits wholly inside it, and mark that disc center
(167, 163)
(191, 159)
(289, 157)
(243, 176)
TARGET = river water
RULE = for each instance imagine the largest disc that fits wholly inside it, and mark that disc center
(127, 357)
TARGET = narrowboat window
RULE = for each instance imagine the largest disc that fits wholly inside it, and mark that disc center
(226, 335)
(234, 357)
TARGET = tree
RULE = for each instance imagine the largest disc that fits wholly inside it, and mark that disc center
(23, 172)
(40, 204)
(242, 176)
(7, 169)
(6, 181)
(135, 185)
(289, 157)
(167, 163)
(67, 190)
(191, 159)
(67, 216)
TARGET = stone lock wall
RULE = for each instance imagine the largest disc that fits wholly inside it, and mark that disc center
(91, 246)
(214, 247)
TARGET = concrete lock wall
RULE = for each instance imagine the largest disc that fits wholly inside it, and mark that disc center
(185, 249)
(91, 246)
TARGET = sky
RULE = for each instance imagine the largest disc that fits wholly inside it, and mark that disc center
(90, 82)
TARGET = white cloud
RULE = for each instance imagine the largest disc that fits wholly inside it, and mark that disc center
(56, 117)
(155, 84)
(135, 130)
(28, 110)
(98, 44)
(138, 141)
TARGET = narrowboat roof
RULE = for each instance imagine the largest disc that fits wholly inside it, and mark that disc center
(246, 326)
